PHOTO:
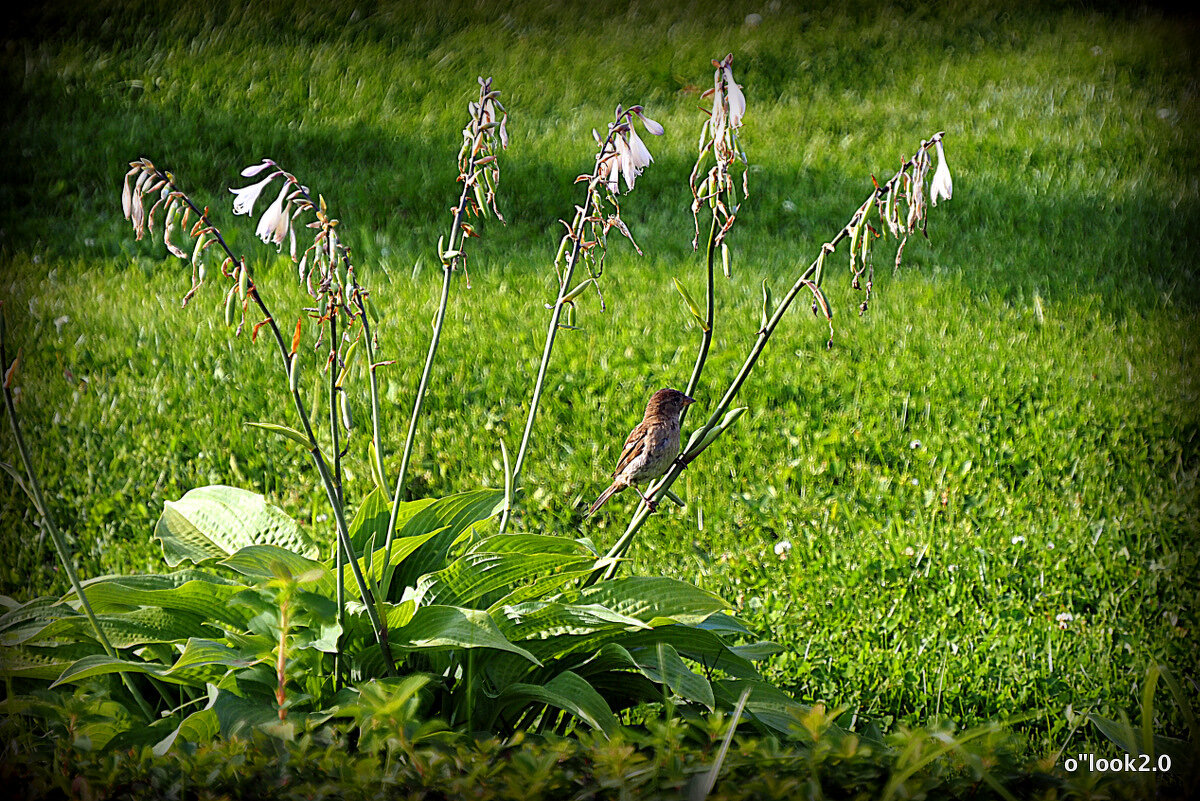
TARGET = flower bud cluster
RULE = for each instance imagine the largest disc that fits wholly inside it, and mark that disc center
(719, 136)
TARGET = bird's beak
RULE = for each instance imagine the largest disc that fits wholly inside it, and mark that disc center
(687, 401)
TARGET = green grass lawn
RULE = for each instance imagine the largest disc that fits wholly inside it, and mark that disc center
(989, 482)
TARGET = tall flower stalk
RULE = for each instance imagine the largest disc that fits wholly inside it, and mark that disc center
(326, 269)
(899, 205)
(484, 136)
(621, 156)
(719, 138)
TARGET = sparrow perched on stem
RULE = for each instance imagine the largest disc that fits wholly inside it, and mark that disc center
(651, 447)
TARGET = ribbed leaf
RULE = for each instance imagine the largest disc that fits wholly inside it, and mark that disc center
(442, 627)
(542, 587)
(655, 598)
(127, 629)
(693, 643)
(474, 576)
(452, 514)
(371, 520)
(202, 661)
(663, 665)
(544, 620)
(569, 692)
(213, 522)
(44, 664)
(28, 620)
(261, 562)
(209, 600)
(238, 716)
(199, 727)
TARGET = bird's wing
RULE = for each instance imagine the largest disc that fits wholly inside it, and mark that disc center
(634, 445)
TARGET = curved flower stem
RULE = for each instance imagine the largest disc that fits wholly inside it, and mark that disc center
(377, 623)
(60, 544)
(335, 435)
(608, 565)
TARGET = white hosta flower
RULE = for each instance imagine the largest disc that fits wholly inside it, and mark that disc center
(942, 185)
(245, 198)
(273, 225)
(737, 100)
(641, 155)
(652, 127)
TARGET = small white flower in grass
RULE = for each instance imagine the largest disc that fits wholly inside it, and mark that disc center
(783, 548)
(245, 198)
(1018, 539)
(1064, 619)
(916, 443)
(942, 185)
(273, 225)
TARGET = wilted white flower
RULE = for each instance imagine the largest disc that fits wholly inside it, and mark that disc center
(737, 100)
(245, 198)
(942, 185)
(273, 225)
(627, 155)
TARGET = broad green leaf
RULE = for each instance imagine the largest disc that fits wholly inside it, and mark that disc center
(213, 522)
(44, 663)
(663, 665)
(262, 562)
(127, 629)
(238, 716)
(704, 647)
(452, 515)
(651, 598)
(199, 727)
(209, 600)
(370, 520)
(26, 621)
(201, 661)
(541, 587)
(476, 575)
(442, 627)
(569, 692)
(542, 620)
(770, 707)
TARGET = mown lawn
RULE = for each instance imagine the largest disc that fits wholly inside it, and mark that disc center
(988, 483)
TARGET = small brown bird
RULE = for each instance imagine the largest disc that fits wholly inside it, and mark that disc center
(651, 447)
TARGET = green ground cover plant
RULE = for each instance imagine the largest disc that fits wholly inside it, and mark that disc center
(978, 504)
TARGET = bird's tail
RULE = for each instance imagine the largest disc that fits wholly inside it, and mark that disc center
(613, 489)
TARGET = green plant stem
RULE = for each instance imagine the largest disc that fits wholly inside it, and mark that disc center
(335, 434)
(468, 179)
(551, 332)
(607, 569)
(373, 385)
(706, 335)
(326, 477)
(60, 543)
